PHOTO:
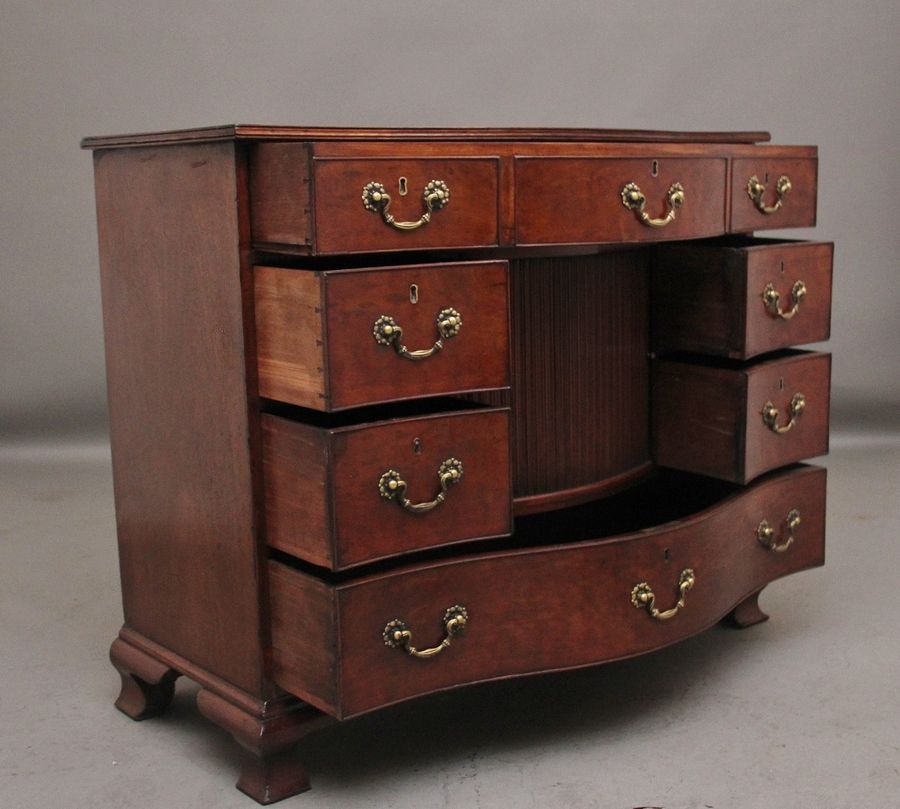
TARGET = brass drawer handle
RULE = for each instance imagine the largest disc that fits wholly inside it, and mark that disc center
(391, 486)
(388, 332)
(633, 199)
(772, 300)
(642, 596)
(795, 408)
(766, 534)
(398, 635)
(435, 196)
(756, 189)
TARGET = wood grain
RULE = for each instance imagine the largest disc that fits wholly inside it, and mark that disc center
(707, 417)
(322, 498)
(568, 200)
(553, 607)
(579, 346)
(799, 208)
(169, 238)
(707, 297)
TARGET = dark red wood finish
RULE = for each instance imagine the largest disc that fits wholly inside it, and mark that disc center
(708, 419)
(708, 297)
(579, 402)
(344, 225)
(547, 608)
(170, 230)
(322, 498)
(799, 206)
(562, 200)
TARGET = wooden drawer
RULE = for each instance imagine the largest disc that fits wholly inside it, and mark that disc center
(543, 608)
(741, 297)
(316, 342)
(735, 421)
(343, 223)
(796, 208)
(574, 200)
(326, 502)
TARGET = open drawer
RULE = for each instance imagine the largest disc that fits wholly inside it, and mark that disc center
(352, 645)
(739, 296)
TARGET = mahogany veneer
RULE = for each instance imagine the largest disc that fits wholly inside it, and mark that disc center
(258, 414)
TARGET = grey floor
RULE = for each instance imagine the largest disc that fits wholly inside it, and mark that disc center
(803, 711)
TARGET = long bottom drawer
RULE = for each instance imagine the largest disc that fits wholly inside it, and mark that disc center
(347, 648)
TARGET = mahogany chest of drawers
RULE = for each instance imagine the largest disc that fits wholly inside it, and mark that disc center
(380, 399)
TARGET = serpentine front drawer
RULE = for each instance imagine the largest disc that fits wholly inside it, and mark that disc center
(347, 338)
(345, 494)
(735, 421)
(350, 647)
(589, 200)
(740, 297)
(773, 192)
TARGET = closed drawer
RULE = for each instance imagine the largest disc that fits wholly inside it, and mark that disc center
(735, 421)
(580, 200)
(741, 297)
(334, 495)
(773, 192)
(465, 214)
(323, 342)
(543, 608)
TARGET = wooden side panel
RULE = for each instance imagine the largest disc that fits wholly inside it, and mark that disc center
(698, 300)
(169, 237)
(699, 419)
(280, 195)
(304, 639)
(290, 336)
(298, 503)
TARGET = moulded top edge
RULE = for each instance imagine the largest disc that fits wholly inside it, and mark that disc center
(258, 132)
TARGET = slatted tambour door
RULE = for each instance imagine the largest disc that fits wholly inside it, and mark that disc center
(580, 375)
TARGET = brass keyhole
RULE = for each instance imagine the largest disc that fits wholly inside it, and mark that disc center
(417, 446)
(413, 293)
(654, 168)
(666, 555)
(403, 187)
(781, 383)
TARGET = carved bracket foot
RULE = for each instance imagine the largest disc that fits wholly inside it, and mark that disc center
(147, 684)
(747, 613)
(269, 770)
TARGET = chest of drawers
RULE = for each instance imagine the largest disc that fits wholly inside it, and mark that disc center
(384, 401)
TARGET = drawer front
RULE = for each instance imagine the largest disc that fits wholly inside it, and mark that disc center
(317, 344)
(466, 216)
(736, 422)
(760, 201)
(580, 200)
(544, 609)
(741, 298)
(329, 498)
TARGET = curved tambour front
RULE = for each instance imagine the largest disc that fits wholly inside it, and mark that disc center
(354, 646)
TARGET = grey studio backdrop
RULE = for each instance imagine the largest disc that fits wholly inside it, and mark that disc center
(810, 72)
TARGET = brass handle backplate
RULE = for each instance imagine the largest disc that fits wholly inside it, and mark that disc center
(391, 486)
(435, 196)
(399, 636)
(388, 332)
(772, 300)
(766, 534)
(642, 596)
(795, 408)
(756, 189)
(633, 199)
